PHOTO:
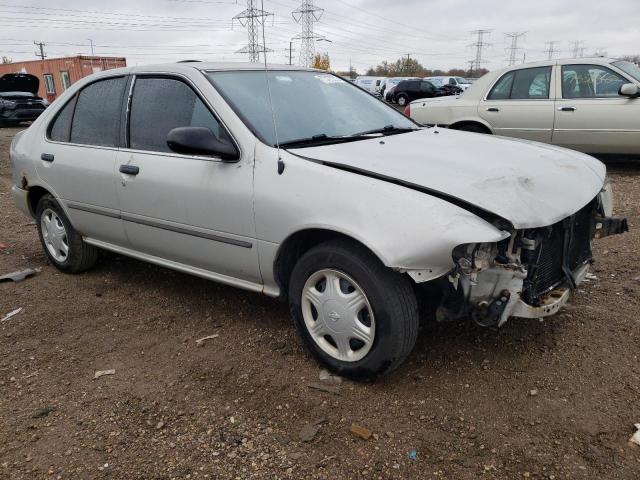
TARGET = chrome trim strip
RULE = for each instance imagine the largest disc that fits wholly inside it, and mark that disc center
(96, 210)
(187, 231)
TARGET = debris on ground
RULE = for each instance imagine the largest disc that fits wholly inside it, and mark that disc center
(19, 275)
(329, 378)
(309, 431)
(10, 314)
(44, 412)
(533, 392)
(360, 431)
(102, 373)
(590, 276)
(200, 341)
(636, 436)
(413, 454)
(325, 388)
(2, 246)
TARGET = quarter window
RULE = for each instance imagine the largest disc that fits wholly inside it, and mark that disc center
(524, 84)
(50, 87)
(590, 81)
(98, 113)
(161, 104)
(60, 129)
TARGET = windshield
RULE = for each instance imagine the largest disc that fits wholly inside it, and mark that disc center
(306, 104)
(629, 68)
(462, 80)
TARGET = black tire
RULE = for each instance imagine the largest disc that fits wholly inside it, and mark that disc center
(402, 100)
(473, 127)
(389, 293)
(81, 255)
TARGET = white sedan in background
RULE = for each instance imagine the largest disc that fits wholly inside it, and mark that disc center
(587, 104)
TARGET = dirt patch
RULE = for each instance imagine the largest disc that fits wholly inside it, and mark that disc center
(552, 399)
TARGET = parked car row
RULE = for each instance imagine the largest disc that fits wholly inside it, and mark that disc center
(586, 104)
(323, 196)
(409, 90)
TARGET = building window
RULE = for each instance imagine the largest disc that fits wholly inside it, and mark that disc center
(66, 82)
(49, 85)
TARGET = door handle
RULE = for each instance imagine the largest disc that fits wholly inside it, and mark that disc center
(47, 157)
(129, 169)
(566, 109)
(493, 109)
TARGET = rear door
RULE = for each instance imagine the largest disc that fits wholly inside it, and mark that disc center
(193, 210)
(521, 104)
(591, 116)
(79, 158)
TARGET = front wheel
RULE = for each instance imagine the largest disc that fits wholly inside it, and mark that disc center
(354, 314)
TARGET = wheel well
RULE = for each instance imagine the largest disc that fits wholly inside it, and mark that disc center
(457, 126)
(35, 194)
(297, 245)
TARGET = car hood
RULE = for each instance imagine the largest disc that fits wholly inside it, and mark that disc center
(19, 82)
(527, 183)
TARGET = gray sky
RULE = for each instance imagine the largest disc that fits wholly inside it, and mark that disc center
(363, 32)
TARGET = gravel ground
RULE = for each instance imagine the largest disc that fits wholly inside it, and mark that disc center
(552, 399)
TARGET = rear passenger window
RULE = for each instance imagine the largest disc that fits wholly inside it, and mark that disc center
(98, 113)
(60, 129)
(161, 104)
(524, 84)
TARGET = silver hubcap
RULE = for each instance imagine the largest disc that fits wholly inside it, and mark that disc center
(338, 315)
(54, 235)
(401, 101)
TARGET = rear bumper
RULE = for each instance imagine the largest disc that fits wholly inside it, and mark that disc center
(21, 199)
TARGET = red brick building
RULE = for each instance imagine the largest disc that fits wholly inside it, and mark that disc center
(57, 74)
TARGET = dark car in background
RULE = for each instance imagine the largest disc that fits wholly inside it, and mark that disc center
(19, 100)
(409, 90)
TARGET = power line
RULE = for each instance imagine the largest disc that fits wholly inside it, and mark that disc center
(479, 44)
(513, 48)
(306, 15)
(551, 49)
(251, 18)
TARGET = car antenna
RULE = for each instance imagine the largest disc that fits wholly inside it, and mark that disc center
(266, 76)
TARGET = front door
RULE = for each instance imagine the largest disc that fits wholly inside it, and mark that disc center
(591, 116)
(193, 210)
(78, 160)
(520, 104)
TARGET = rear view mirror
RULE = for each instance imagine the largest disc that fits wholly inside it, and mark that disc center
(201, 141)
(629, 90)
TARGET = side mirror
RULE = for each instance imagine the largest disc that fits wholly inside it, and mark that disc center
(201, 141)
(629, 90)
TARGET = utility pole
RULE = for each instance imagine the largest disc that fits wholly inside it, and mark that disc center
(291, 52)
(479, 44)
(577, 49)
(513, 48)
(40, 45)
(306, 15)
(551, 49)
(471, 62)
(252, 18)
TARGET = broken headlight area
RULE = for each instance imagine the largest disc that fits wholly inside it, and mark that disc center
(529, 274)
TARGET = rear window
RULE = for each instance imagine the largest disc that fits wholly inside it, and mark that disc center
(97, 116)
(60, 128)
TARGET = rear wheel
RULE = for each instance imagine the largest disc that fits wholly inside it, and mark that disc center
(402, 100)
(473, 127)
(354, 314)
(64, 247)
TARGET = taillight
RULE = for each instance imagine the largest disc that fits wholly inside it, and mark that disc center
(407, 110)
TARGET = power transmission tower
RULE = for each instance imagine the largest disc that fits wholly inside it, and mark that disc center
(306, 14)
(577, 49)
(513, 48)
(551, 49)
(40, 46)
(252, 18)
(480, 44)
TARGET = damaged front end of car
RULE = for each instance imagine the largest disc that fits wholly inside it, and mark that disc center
(531, 273)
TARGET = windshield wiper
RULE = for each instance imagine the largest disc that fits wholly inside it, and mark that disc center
(386, 130)
(322, 139)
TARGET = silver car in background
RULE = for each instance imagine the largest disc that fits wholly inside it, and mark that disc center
(295, 183)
